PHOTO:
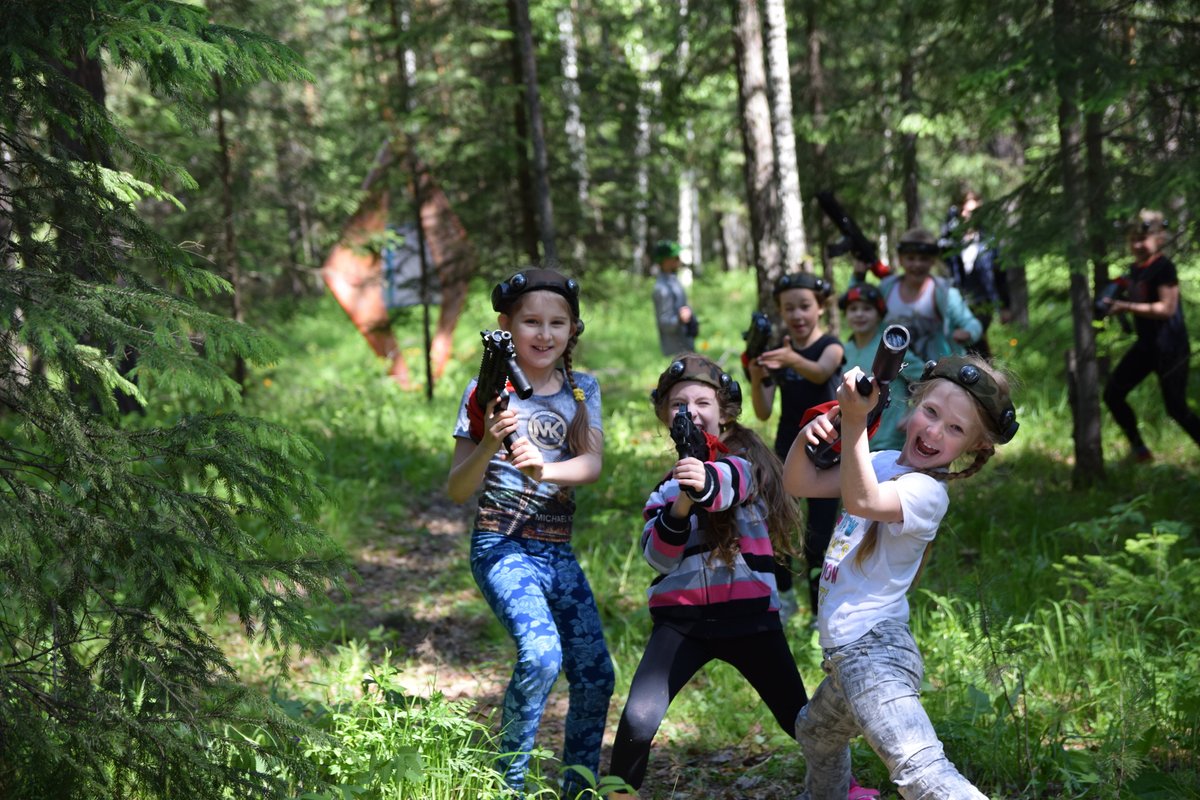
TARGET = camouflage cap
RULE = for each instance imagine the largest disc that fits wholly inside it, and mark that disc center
(992, 398)
(694, 367)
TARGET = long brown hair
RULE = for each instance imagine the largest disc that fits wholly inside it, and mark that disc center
(783, 512)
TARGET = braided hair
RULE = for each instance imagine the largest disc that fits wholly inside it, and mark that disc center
(782, 511)
(579, 432)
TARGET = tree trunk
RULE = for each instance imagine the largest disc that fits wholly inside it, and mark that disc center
(1083, 383)
(791, 211)
(1097, 205)
(537, 130)
(820, 164)
(909, 168)
(689, 195)
(648, 95)
(528, 206)
(228, 252)
(576, 131)
(405, 70)
(761, 197)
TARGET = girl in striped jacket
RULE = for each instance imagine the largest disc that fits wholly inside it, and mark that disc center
(712, 530)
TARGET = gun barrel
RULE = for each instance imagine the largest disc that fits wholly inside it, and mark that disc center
(854, 240)
(889, 358)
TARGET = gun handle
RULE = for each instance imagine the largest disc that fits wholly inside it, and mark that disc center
(822, 455)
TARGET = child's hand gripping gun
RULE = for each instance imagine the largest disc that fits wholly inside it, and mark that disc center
(758, 338)
(889, 360)
(498, 373)
(689, 440)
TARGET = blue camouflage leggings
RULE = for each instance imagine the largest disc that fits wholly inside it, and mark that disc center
(539, 592)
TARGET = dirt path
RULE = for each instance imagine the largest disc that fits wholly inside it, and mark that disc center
(398, 588)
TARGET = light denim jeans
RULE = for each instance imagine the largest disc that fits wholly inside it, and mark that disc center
(540, 594)
(872, 688)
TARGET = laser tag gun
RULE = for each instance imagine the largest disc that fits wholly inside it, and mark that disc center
(1115, 290)
(853, 241)
(498, 372)
(889, 360)
(758, 337)
(689, 440)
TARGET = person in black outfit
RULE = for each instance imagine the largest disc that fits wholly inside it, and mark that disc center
(806, 368)
(1162, 347)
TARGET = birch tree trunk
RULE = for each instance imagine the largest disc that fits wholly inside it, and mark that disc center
(650, 89)
(1083, 375)
(689, 195)
(791, 210)
(761, 196)
(537, 133)
(574, 127)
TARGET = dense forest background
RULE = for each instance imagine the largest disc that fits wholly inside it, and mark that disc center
(208, 476)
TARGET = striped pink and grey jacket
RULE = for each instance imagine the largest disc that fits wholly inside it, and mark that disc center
(694, 585)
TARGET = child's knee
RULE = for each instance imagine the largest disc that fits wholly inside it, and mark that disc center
(540, 669)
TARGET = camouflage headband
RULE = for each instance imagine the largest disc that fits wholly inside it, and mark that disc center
(994, 400)
(698, 369)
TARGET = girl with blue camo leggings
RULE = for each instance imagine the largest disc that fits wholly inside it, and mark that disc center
(712, 530)
(521, 554)
(894, 502)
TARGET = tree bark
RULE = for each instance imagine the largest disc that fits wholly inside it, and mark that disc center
(228, 253)
(791, 210)
(1084, 380)
(759, 171)
(537, 130)
(910, 179)
(689, 195)
(527, 223)
(574, 128)
(814, 35)
(1097, 201)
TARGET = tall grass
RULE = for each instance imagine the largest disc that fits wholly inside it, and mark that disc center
(1059, 626)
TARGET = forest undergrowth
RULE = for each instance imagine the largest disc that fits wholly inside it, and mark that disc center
(1058, 624)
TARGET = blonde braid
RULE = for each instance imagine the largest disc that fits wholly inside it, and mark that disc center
(579, 431)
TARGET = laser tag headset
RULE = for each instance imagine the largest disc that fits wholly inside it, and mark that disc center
(538, 280)
(994, 400)
(918, 242)
(863, 293)
(802, 280)
(694, 368)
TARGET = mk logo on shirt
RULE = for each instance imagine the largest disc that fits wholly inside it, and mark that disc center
(547, 430)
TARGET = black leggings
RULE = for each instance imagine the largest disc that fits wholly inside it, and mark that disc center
(670, 661)
(1142, 360)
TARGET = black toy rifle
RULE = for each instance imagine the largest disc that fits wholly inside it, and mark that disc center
(1117, 289)
(497, 369)
(889, 360)
(853, 241)
(689, 440)
(758, 337)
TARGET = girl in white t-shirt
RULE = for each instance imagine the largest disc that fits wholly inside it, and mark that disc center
(894, 504)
